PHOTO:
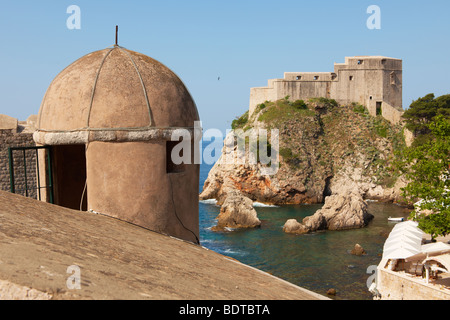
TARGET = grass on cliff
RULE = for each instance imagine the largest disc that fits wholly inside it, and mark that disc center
(282, 110)
(239, 122)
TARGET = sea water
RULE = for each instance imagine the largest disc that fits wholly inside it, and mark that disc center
(317, 261)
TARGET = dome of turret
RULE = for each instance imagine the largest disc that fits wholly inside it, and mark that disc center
(116, 89)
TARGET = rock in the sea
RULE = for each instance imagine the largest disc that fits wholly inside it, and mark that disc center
(345, 211)
(331, 292)
(237, 212)
(340, 212)
(358, 250)
(294, 227)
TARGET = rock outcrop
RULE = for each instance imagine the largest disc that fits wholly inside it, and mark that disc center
(295, 227)
(320, 152)
(237, 212)
(336, 155)
(340, 212)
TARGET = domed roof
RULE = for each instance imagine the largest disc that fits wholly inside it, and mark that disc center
(116, 89)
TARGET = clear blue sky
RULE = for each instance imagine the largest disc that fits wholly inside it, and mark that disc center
(244, 42)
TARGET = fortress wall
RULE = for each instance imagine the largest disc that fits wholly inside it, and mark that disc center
(367, 80)
(302, 89)
(392, 88)
(258, 96)
(358, 86)
(280, 88)
(392, 114)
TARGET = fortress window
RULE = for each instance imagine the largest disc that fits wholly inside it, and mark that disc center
(299, 77)
(350, 78)
(392, 77)
(360, 61)
(333, 76)
(316, 77)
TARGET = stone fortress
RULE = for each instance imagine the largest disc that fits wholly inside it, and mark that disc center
(372, 81)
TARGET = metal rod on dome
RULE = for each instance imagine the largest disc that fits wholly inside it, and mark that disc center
(117, 34)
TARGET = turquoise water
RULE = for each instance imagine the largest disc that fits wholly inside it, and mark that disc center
(318, 261)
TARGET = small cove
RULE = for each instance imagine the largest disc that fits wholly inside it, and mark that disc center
(317, 261)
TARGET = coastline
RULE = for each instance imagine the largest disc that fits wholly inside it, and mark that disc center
(317, 261)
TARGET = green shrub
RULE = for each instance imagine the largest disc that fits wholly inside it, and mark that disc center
(381, 128)
(324, 102)
(299, 104)
(239, 122)
(358, 108)
(286, 153)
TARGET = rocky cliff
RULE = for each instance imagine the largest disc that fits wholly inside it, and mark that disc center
(324, 149)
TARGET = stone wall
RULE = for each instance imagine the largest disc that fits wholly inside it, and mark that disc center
(396, 286)
(392, 114)
(20, 136)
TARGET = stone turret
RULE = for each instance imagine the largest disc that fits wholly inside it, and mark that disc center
(109, 118)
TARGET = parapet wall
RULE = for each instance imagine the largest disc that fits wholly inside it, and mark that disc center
(396, 286)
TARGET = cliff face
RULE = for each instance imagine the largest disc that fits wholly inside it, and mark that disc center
(324, 149)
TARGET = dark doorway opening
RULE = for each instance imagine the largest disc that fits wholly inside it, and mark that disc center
(379, 110)
(69, 176)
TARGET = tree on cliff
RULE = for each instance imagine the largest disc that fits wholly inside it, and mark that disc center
(422, 112)
(427, 167)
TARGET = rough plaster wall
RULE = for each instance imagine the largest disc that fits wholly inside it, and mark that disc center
(134, 186)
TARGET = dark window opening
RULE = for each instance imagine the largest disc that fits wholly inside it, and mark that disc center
(171, 166)
(316, 77)
(360, 61)
(350, 78)
(299, 77)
